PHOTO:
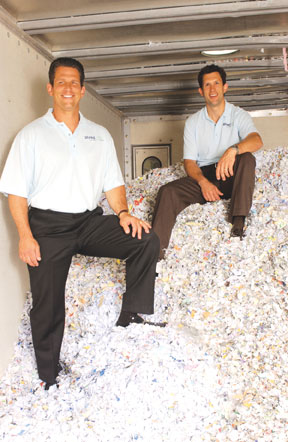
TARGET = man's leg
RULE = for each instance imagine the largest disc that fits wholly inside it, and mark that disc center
(172, 198)
(240, 189)
(54, 233)
(243, 186)
(103, 236)
(47, 315)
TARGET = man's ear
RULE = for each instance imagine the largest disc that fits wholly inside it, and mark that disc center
(225, 87)
(49, 89)
(83, 90)
(200, 91)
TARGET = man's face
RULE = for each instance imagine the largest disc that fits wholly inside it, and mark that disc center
(213, 89)
(66, 90)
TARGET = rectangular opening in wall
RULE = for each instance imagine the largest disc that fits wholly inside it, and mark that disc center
(150, 156)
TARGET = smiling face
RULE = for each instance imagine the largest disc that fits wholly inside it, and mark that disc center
(66, 90)
(213, 89)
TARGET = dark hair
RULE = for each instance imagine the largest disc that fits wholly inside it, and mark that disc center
(69, 62)
(208, 70)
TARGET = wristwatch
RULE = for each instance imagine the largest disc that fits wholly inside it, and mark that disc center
(121, 211)
(235, 146)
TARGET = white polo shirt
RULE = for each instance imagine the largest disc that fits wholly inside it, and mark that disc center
(59, 170)
(205, 141)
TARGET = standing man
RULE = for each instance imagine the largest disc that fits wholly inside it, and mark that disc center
(54, 176)
(218, 145)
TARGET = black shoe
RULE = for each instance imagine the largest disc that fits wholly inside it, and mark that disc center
(127, 318)
(48, 385)
(238, 226)
(156, 324)
(62, 366)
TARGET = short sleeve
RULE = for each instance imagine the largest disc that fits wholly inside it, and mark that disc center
(245, 124)
(112, 176)
(190, 147)
(17, 176)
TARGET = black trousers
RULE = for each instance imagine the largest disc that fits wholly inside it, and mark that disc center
(62, 235)
(175, 196)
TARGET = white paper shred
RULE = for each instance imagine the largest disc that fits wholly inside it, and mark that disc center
(217, 372)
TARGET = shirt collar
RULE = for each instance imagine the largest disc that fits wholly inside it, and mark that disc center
(227, 113)
(225, 117)
(53, 122)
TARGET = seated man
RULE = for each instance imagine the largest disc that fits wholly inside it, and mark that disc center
(218, 141)
(54, 176)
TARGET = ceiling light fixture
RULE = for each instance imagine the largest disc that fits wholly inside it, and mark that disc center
(219, 52)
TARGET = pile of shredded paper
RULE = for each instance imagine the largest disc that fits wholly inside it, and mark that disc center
(217, 372)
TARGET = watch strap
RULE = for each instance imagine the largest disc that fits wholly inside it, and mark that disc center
(235, 146)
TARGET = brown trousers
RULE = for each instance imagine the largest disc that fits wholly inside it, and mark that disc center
(175, 196)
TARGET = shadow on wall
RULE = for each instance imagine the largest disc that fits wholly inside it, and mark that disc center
(13, 241)
(4, 155)
(39, 101)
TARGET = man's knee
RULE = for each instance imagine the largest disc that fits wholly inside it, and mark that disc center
(169, 190)
(163, 189)
(151, 241)
(248, 158)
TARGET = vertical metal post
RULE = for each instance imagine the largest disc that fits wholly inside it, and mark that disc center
(127, 151)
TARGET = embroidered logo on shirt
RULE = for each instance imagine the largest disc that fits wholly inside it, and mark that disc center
(92, 138)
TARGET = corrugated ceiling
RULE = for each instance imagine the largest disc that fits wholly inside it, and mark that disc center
(144, 56)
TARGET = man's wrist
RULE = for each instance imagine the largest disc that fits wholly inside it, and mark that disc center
(122, 211)
(236, 148)
(202, 181)
(24, 235)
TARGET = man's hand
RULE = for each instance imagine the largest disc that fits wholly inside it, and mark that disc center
(29, 251)
(209, 190)
(225, 165)
(127, 221)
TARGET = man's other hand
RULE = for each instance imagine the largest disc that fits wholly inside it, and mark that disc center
(225, 165)
(29, 251)
(127, 221)
(209, 190)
